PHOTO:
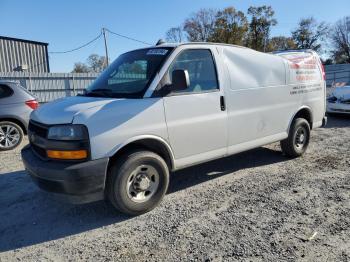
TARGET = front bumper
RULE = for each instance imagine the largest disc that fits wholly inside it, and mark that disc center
(76, 182)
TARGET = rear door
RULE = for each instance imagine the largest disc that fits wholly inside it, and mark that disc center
(306, 78)
(196, 118)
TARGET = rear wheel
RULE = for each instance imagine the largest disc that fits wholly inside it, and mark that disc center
(298, 139)
(137, 182)
(11, 135)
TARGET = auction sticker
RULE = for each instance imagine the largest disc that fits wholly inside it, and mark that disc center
(157, 51)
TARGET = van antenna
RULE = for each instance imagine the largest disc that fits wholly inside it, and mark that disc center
(160, 42)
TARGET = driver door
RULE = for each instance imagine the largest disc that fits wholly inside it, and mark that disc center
(196, 117)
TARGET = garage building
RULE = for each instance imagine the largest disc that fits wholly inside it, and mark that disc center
(23, 55)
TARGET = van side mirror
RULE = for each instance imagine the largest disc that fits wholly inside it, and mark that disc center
(180, 80)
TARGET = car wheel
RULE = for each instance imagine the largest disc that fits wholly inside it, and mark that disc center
(11, 135)
(298, 139)
(137, 182)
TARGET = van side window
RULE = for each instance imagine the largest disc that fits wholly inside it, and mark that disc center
(5, 91)
(201, 69)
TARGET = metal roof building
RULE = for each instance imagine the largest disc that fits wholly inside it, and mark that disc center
(23, 55)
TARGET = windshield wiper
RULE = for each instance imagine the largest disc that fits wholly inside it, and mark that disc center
(99, 92)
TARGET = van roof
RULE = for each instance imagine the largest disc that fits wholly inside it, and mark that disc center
(293, 51)
(197, 43)
(236, 46)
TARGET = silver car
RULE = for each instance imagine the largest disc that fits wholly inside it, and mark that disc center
(16, 104)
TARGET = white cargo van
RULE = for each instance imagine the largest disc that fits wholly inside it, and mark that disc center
(167, 107)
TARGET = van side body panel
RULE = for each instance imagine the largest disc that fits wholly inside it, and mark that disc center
(257, 101)
(263, 97)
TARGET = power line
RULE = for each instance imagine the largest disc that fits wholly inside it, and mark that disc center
(96, 38)
(127, 37)
(80, 47)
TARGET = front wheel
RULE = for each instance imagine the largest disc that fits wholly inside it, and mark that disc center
(298, 139)
(137, 182)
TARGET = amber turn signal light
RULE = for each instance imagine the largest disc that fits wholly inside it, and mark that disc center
(71, 155)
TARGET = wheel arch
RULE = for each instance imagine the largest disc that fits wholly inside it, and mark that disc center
(17, 121)
(303, 112)
(147, 142)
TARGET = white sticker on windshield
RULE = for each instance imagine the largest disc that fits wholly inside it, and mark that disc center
(157, 51)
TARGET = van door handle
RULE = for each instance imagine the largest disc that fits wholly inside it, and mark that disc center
(222, 103)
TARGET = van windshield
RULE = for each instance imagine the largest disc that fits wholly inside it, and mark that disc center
(130, 74)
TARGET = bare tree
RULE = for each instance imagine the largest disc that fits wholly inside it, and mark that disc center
(199, 27)
(260, 26)
(80, 68)
(340, 38)
(96, 63)
(310, 34)
(231, 26)
(175, 35)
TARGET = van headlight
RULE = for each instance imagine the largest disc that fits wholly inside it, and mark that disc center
(68, 132)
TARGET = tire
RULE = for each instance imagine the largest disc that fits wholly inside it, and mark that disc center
(11, 135)
(137, 182)
(298, 139)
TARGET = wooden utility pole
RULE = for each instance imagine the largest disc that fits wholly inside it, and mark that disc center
(106, 48)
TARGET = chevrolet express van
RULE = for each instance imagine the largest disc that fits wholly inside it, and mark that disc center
(167, 107)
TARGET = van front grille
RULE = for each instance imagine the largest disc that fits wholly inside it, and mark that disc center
(38, 129)
(39, 151)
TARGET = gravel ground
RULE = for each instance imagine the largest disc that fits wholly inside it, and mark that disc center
(254, 206)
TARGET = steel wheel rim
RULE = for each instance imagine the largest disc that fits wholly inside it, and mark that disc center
(9, 136)
(142, 183)
(300, 138)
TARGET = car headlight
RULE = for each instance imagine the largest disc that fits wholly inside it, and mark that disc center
(68, 132)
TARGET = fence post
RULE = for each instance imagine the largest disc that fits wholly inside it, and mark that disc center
(74, 92)
(30, 83)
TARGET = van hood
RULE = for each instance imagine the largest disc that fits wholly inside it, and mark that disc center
(62, 111)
